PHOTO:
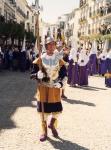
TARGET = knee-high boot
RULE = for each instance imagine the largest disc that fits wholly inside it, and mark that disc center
(43, 135)
(53, 126)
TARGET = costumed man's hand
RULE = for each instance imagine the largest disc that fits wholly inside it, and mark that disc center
(40, 75)
(58, 85)
(67, 64)
(33, 76)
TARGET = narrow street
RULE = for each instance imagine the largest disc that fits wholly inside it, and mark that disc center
(85, 123)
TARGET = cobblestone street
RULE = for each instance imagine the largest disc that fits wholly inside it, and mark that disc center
(85, 123)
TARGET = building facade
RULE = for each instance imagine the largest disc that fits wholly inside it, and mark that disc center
(7, 9)
(30, 23)
(95, 18)
(20, 12)
(2, 7)
(73, 25)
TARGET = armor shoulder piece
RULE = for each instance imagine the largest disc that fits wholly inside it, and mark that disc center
(37, 61)
(61, 62)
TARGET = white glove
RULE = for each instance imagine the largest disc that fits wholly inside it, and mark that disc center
(67, 64)
(40, 75)
(57, 85)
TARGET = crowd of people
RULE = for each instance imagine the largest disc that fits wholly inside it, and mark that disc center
(88, 62)
(16, 58)
(105, 29)
(106, 9)
(81, 62)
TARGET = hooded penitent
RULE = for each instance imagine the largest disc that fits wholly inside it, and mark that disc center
(72, 60)
(83, 58)
(73, 67)
(73, 52)
(94, 48)
(24, 45)
(35, 48)
(108, 67)
(93, 59)
(103, 57)
(83, 72)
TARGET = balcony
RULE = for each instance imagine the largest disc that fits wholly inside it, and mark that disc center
(83, 3)
(101, 12)
(12, 1)
(82, 20)
(20, 11)
(105, 29)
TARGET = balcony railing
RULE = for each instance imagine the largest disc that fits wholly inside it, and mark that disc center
(82, 20)
(82, 3)
(105, 29)
(100, 12)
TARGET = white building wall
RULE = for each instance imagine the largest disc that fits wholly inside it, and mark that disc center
(93, 22)
(22, 4)
(1, 7)
(73, 22)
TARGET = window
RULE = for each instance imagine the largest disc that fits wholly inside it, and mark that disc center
(32, 19)
(27, 14)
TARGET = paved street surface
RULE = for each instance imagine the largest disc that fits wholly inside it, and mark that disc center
(84, 125)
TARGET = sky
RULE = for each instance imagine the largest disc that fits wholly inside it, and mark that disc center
(52, 9)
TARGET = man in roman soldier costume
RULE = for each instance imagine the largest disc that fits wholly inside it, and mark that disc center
(50, 81)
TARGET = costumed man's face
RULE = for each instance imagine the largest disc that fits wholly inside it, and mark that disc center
(50, 48)
(59, 48)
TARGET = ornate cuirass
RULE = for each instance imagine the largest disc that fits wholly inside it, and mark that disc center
(51, 65)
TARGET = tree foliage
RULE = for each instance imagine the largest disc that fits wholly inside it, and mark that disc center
(14, 30)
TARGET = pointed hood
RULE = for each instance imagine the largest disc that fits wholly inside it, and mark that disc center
(83, 58)
(94, 48)
(35, 48)
(106, 46)
(73, 52)
(0, 49)
(109, 55)
(103, 55)
(84, 47)
(23, 46)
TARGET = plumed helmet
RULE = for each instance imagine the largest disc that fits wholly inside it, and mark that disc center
(49, 40)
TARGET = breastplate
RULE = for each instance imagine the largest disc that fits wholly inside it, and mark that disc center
(51, 65)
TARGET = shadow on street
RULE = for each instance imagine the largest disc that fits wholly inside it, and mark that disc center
(90, 88)
(65, 145)
(16, 90)
(71, 101)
